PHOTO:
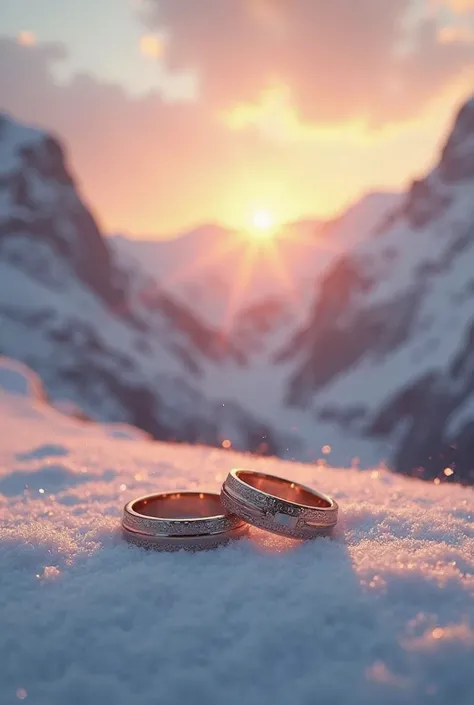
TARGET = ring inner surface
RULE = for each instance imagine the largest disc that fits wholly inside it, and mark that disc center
(283, 489)
(179, 505)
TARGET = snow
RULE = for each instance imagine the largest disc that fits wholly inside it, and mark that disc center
(441, 314)
(382, 612)
(413, 246)
(67, 301)
(13, 138)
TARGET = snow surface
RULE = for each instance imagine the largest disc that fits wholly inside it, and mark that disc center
(382, 612)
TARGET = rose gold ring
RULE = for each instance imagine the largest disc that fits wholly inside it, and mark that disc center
(278, 505)
(170, 521)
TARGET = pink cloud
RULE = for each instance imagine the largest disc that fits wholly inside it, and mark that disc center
(142, 160)
(461, 6)
(340, 59)
(26, 38)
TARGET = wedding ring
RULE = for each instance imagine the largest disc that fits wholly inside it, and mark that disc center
(170, 521)
(278, 505)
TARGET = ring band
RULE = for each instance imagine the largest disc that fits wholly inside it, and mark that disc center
(170, 521)
(278, 505)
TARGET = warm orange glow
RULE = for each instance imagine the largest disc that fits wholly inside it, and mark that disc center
(277, 264)
(240, 284)
(245, 254)
(151, 46)
(262, 220)
(26, 39)
(278, 164)
(263, 225)
(226, 444)
(461, 5)
(451, 34)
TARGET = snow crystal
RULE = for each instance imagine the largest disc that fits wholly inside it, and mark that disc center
(382, 612)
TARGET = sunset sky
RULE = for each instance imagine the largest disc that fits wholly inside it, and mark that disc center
(177, 112)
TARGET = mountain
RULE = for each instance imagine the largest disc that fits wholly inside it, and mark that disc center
(352, 340)
(104, 337)
(387, 354)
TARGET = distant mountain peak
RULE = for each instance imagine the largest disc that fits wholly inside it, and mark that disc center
(14, 134)
(430, 196)
(457, 158)
(44, 202)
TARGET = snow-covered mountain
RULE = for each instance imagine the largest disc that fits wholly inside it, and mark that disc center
(106, 338)
(388, 352)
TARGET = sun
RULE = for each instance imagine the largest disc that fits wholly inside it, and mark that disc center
(262, 220)
(263, 225)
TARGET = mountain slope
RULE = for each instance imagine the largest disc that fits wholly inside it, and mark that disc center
(105, 337)
(388, 352)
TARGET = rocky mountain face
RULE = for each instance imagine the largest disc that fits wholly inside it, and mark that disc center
(388, 351)
(103, 336)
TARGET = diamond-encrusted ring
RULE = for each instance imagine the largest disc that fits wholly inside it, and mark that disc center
(278, 505)
(171, 521)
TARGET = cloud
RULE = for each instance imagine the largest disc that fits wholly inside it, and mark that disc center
(339, 60)
(147, 163)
